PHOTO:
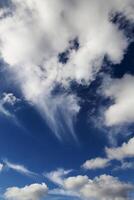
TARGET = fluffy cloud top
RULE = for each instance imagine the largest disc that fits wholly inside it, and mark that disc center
(35, 33)
(57, 176)
(126, 150)
(121, 91)
(74, 183)
(105, 187)
(100, 188)
(96, 163)
(31, 192)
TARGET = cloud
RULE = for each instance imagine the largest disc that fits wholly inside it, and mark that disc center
(7, 99)
(96, 163)
(125, 166)
(31, 48)
(121, 92)
(126, 150)
(18, 168)
(57, 176)
(75, 183)
(1, 167)
(99, 188)
(105, 187)
(30, 192)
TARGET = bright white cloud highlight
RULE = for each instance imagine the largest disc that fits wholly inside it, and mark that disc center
(126, 150)
(96, 163)
(57, 175)
(121, 91)
(1, 167)
(30, 192)
(36, 32)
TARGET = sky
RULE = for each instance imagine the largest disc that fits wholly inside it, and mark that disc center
(66, 100)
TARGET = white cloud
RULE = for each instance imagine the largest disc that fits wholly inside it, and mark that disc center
(106, 187)
(96, 163)
(126, 150)
(100, 188)
(30, 192)
(121, 91)
(19, 168)
(57, 176)
(7, 98)
(37, 31)
(1, 167)
(75, 183)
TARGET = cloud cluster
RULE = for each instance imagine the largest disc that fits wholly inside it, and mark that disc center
(126, 150)
(100, 188)
(30, 192)
(34, 34)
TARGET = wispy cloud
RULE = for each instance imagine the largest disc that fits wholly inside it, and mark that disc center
(7, 99)
(19, 168)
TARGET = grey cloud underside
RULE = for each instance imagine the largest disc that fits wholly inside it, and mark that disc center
(34, 33)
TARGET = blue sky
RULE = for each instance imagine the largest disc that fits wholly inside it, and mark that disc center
(66, 100)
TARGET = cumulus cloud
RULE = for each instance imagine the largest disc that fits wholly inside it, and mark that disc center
(96, 163)
(121, 92)
(75, 183)
(35, 34)
(29, 192)
(100, 188)
(105, 187)
(126, 150)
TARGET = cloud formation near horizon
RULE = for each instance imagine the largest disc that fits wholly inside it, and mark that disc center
(29, 192)
(37, 42)
(99, 188)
